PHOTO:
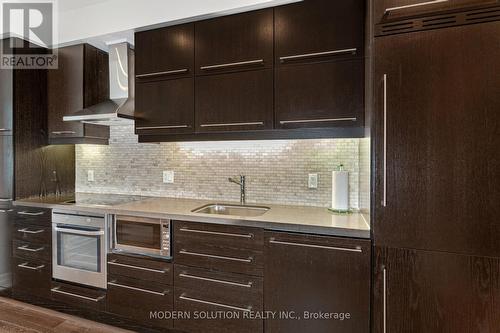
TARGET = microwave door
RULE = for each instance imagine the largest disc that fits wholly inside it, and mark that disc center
(138, 235)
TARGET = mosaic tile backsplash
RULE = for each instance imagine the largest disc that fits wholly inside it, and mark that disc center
(276, 171)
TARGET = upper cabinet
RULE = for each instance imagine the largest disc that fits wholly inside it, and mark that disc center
(6, 105)
(390, 10)
(319, 80)
(164, 102)
(81, 80)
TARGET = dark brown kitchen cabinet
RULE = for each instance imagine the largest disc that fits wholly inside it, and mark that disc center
(437, 140)
(81, 80)
(165, 52)
(319, 60)
(239, 101)
(394, 10)
(435, 292)
(235, 42)
(306, 274)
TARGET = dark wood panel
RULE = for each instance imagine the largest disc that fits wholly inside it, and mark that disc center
(315, 274)
(32, 216)
(435, 292)
(95, 76)
(317, 26)
(79, 296)
(31, 277)
(226, 100)
(443, 169)
(165, 49)
(140, 268)
(137, 300)
(165, 107)
(320, 95)
(32, 251)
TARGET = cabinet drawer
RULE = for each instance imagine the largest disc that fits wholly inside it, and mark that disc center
(31, 277)
(32, 233)
(225, 317)
(217, 234)
(31, 251)
(136, 299)
(82, 297)
(32, 215)
(227, 288)
(140, 268)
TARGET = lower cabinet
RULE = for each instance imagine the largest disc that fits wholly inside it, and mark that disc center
(78, 296)
(435, 292)
(316, 284)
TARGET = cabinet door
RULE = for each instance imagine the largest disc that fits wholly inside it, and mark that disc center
(435, 292)
(164, 107)
(308, 275)
(438, 168)
(96, 76)
(234, 102)
(236, 42)
(165, 52)
(387, 10)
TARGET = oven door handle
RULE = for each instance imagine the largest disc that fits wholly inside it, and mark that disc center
(79, 232)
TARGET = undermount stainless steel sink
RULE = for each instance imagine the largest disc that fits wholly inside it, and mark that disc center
(235, 210)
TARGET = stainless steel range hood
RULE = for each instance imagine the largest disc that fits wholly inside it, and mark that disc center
(119, 109)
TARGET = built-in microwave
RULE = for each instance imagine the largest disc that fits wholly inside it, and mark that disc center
(142, 235)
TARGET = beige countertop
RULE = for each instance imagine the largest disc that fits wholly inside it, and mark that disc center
(279, 217)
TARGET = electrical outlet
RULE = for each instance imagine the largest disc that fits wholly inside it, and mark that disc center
(168, 177)
(90, 175)
(313, 181)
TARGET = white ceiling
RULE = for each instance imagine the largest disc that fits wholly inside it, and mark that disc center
(65, 5)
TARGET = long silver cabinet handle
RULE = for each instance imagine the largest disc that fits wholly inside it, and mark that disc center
(172, 72)
(63, 132)
(421, 4)
(79, 232)
(357, 249)
(233, 124)
(190, 299)
(161, 127)
(194, 277)
(5, 210)
(214, 256)
(384, 149)
(30, 214)
(25, 266)
(234, 64)
(316, 120)
(216, 233)
(384, 307)
(6, 200)
(27, 248)
(137, 289)
(56, 290)
(318, 54)
(32, 232)
(139, 268)
(5, 130)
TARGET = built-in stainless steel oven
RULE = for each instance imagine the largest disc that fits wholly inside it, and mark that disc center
(141, 235)
(79, 246)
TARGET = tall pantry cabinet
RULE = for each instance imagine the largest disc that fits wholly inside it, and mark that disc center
(437, 124)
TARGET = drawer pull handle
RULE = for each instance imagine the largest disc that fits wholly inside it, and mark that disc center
(283, 122)
(26, 266)
(137, 289)
(4, 130)
(195, 300)
(384, 274)
(30, 214)
(56, 290)
(176, 71)
(189, 276)
(384, 149)
(357, 249)
(214, 256)
(161, 127)
(6, 200)
(31, 232)
(114, 263)
(428, 3)
(255, 123)
(5, 210)
(216, 233)
(234, 64)
(318, 54)
(28, 249)
(63, 132)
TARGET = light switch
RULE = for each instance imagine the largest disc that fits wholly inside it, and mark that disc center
(90, 175)
(168, 177)
(313, 181)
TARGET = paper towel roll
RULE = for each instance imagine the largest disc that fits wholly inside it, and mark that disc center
(340, 190)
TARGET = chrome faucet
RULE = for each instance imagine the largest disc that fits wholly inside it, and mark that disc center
(242, 184)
